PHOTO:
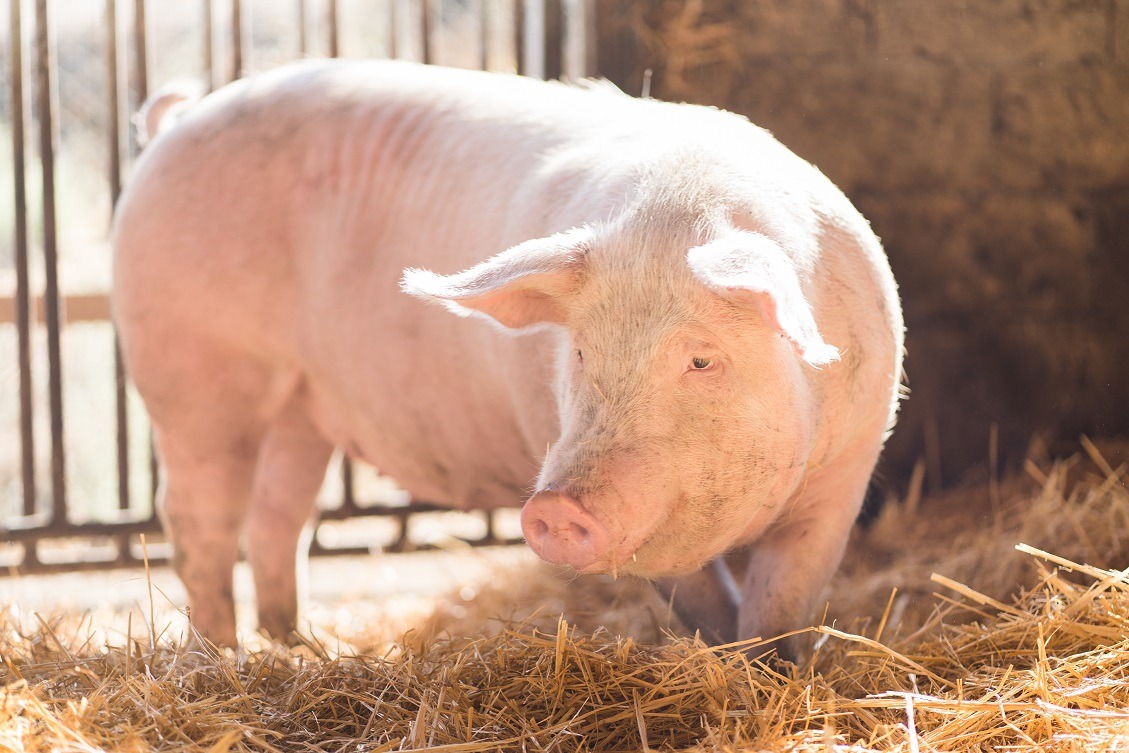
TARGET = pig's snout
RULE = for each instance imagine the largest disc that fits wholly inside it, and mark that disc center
(560, 531)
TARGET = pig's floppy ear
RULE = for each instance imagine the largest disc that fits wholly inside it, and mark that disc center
(520, 287)
(743, 266)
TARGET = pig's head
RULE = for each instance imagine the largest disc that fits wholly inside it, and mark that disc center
(686, 417)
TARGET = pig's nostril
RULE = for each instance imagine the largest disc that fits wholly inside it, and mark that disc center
(578, 533)
(539, 529)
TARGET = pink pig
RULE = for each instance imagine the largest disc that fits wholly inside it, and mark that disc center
(696, 347)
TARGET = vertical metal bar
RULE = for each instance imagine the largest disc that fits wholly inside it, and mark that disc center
(334, 29)
(591, 37)
(303, 29)
(533, 49)
(484, 34)
(575, 44)
(141, 50)
(236, 39)
(393, 21)
(348, 487)
(45, 61)
(425, 30)
(491, 534)
(519, 35)
(141, 74)
(210, 79)
(116, 137)
(303, 44)
(23, 296)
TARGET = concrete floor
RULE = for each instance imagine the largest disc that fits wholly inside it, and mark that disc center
(347, 596)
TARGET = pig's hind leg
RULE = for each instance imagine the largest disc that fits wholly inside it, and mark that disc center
(210, 410)
(290, 471)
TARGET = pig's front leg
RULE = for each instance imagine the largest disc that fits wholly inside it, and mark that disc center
(705, 601)
(792, 562)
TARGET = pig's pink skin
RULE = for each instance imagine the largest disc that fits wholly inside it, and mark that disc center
(259, 249)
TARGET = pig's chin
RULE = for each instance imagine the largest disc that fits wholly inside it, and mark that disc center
(650, 561)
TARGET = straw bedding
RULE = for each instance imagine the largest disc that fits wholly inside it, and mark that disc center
(980, 647)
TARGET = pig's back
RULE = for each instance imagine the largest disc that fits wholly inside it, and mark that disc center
(278, 215)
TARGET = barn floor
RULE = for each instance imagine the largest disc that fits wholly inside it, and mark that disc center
(1001, 649)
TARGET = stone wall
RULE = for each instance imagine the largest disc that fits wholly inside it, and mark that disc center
(987, 142)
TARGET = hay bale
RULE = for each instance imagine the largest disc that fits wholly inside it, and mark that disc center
(967, 669)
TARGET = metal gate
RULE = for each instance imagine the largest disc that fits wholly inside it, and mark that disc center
(44, 525)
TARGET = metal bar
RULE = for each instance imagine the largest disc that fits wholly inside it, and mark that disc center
(348, 486)
(425, 30)
(210, 79)
(533, 48)
(41, 526)
(124, 558)
(393, 20)
(116, 139)
(82, 307)
(303, 29)
(45, 62)
(484, 34)
(575, 45)
(23, 295)
(491, 534)
(332, 17)
(141, 50)
(141, 62)
(552, 38)
(519, 35)
(236, 39)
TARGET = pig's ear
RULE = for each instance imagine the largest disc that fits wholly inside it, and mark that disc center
(521, 287)
(744, 266)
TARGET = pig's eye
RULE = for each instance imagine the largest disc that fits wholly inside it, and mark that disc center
(700, 363)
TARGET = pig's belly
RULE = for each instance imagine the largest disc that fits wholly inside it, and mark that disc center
(432, 460)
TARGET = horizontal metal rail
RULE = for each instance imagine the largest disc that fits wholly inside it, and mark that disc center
(73, 309)
(121, 534)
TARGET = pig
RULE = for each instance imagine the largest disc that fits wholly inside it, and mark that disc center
(671, 337)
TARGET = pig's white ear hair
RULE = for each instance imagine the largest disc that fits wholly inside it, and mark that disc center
(521, 287)
(752, 267)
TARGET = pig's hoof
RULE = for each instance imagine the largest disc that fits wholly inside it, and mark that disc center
(560, 531)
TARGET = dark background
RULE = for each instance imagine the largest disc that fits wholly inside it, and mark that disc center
(988, 144)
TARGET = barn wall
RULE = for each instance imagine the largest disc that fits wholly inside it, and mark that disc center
(987, 142)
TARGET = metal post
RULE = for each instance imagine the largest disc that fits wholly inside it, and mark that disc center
(348, 485)
(210, 78)
(141, 64)
(116, 137)
(236, 39)
(334, 29)
(519, 35)
(141, 50)
(303, 29)
(23, 296)
(45, 62)
(533, 47)
(393, 17)
(484, 34)
(425, 30)
(575, 46)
